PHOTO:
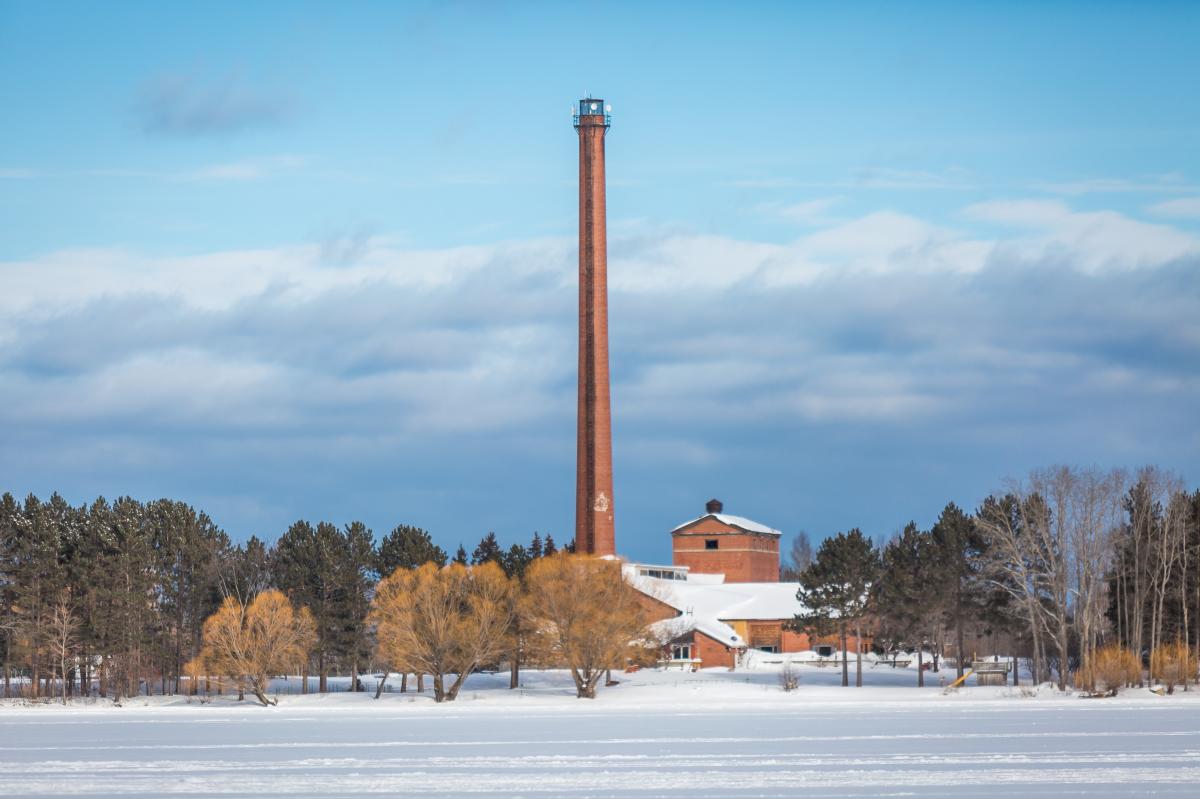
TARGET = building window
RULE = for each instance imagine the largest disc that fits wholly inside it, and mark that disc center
(768, 648)
(681, 651)
(663, 574)
(825, 651)
(711, 543)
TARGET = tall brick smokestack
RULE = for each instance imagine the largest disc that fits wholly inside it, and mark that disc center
(593, 478)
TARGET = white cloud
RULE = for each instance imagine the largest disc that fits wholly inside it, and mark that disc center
(58, 282)
(1183, 208)
(884, 319)
(1091, 242)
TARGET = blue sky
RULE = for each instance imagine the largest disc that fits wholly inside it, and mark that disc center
(317, 260)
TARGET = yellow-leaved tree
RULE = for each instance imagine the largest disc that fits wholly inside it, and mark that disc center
(584, 616)
(443, 621)
(250, 643)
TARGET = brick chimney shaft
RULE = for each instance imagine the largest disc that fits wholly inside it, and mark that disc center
(594, 532)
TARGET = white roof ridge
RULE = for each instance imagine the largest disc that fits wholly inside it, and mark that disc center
(733, 521)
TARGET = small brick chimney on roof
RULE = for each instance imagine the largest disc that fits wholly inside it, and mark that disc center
(713, 506)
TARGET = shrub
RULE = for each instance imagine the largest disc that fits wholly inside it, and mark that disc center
(788, 678)
(1173, 664)
(1111, 668)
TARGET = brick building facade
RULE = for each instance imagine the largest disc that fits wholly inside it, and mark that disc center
(718, 543)
(722, 596)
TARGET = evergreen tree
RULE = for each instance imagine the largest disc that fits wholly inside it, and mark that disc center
(835, 590)
(535, 547)
(188, 549)
(515, 561)
(307, 564)
(488, 551)
(570, 547)
(357, 577)
(959, 553)
(460, 557)
(127, 596)
(407, 547)
(904, 598)
(9, 511)
(245, 571)
(37, 578)
(549, 548)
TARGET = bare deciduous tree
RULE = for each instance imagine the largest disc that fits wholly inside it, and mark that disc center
(1050, 544)
(583, 615)
(443, 621)
(63, 632)
(250, 643)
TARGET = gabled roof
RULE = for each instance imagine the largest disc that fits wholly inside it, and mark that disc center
(705, 603)
(741, 522)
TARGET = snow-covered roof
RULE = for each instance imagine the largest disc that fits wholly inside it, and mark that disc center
(706, 602)
(748, 525)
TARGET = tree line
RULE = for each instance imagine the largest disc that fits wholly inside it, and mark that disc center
(113, 597)
(1064, 566)
(1084, 573)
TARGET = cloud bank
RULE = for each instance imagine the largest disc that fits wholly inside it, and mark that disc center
(272, 380)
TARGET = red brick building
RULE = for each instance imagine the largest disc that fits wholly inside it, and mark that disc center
(718, 543)
(722, 596)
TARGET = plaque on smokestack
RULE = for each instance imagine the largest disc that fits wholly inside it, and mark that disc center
(593, 475)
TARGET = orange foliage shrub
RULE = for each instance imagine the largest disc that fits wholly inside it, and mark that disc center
(583, 615)
(1173, 664)
(253, 642)
(443, 622)
(1111, 669)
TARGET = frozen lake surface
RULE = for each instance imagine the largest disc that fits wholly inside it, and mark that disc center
(713, 734)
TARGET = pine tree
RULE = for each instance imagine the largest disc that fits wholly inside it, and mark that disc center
(357, 577)
(535, 546)
(8, 586)
(959, 554)
(549, 548)
(188, 548)
(245, 571)
(308, 564)
(835, 590)
(488, 551)
(37, 578)
(460, 557)
(125, 596)
(905, 600)
(407, 547)
(515, 561)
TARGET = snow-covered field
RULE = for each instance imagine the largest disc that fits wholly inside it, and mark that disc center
(711, 734)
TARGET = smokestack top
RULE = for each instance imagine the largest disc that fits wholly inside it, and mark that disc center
(713, 506)
(592, 111)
